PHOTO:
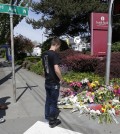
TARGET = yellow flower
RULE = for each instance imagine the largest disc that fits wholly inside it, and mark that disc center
(93, 84)
(97, 82)
(100, 97)
(103, 110)
(93, 93)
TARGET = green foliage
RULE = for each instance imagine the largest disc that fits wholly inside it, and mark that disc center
(65, 17)
(19, 62)
(29, 65)
(116, 47)
(46, 45)
(20, 56)
(78, 76)
(102, 96)
(37, 68)
(3, 53)
(33, 59)
(105, 117)
(33, 64)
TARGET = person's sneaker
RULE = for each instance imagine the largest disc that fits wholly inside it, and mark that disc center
(2, 120)
(54, 122)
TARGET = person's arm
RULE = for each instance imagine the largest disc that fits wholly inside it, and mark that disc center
(58, 72)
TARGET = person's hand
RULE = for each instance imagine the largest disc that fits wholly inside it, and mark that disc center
(61, 82)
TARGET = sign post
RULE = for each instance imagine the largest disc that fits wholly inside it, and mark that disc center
(10, 9)
(109, 43)
(13, 59)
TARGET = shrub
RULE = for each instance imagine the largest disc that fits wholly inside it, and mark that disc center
(78, 76)
(33, 59)
(29, 65)
(20, 56)
(24, 64)
(114, 68)
(19, 62)
(78, 61)
(68, 52)
(47, 43)
(37, 68)
(3, 53)
(116, 47)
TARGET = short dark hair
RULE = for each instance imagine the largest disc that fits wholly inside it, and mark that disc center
(55, 41)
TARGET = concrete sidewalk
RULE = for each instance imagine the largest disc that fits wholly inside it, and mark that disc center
(29, 107)
(27, 110)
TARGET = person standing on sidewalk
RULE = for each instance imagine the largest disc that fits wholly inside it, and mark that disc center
(3, 107)
(53, 78)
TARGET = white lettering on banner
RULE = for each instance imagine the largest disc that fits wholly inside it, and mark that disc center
(24, 11)
(102, 18)
(1, 7)
(14, 10)
(10, 9)
(102, 22)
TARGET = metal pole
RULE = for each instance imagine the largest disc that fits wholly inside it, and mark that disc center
(13, 60)
(109, 44)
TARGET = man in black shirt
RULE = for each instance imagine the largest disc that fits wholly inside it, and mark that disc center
(53, 78)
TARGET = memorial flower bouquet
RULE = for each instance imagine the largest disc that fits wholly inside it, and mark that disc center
(103, 95)
(76, 85)
(65, 92)
(93, 86)
(116, 89)
(86, 97)
(108, 113)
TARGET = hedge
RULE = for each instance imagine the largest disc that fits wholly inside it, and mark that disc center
(78, 61)
(33, 59)
(37, 68)
(114, 68)
(116, 47)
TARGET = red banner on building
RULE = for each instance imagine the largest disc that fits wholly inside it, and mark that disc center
(99, 33)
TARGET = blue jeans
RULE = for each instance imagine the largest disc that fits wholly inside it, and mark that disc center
(52, 94)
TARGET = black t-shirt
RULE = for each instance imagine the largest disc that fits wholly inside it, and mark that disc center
(50, 58)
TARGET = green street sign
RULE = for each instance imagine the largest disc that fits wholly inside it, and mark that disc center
(5, 8)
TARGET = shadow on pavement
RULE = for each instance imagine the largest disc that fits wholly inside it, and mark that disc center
(5, 64)
(3, 101)
(9, 76)
(28, 87)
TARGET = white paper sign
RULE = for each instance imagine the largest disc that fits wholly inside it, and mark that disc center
(43, 128)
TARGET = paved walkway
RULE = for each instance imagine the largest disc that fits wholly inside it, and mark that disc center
(29, 107)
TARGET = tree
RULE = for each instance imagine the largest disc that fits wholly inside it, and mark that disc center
(5, 19)
(22, 46)
(65, 17)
